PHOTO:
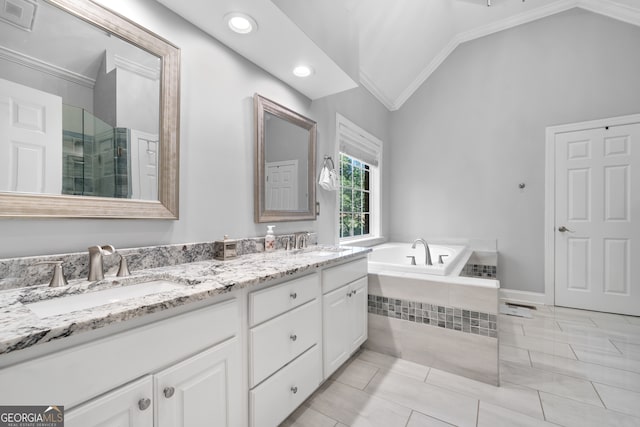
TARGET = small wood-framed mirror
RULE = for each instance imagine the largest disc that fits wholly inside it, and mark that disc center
(285, 188)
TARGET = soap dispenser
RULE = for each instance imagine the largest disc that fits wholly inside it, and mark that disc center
(269, 239)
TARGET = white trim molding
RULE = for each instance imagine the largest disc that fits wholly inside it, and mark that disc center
(46, 67)
(136, 68)
(549, 190)
(526, 297)
(608, 8)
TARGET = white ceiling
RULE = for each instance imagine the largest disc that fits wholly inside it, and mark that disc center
(77, 51)
(401, 42)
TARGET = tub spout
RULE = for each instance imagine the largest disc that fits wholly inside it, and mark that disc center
(427, 259)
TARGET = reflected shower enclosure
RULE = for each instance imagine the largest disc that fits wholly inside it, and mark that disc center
(98, 159)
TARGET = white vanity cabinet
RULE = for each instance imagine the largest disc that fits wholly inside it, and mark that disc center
(185, 370)
(344, 328)
(121, 407)
(195, 392)
(285, 364)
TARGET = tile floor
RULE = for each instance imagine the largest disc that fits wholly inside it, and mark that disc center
(562, 367)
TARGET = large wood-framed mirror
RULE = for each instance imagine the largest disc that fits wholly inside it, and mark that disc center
(91, 131)
(285, 188)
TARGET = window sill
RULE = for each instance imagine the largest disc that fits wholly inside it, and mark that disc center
(366, 242)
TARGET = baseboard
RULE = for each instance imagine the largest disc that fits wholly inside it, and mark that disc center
(523, 296)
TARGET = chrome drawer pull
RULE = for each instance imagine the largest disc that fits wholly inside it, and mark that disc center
(294, 389)
(143, 404)
(293, 295)
(168, 392)
(293, 337)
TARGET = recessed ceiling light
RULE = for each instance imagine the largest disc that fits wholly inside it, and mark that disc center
(302, 71)
(240, 23)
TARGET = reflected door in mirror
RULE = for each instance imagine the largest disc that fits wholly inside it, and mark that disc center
(30, 146)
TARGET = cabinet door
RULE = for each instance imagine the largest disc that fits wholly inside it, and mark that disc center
(204, 390)
(358, 313)
(126, 406)
(336, 330)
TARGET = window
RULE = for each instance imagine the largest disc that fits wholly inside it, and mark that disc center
(359, 194)
(355, 197)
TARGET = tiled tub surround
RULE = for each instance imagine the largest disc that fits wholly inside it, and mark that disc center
(456, 347)
(21, 272)
(20, 328)
(481, 264)
(455, 318)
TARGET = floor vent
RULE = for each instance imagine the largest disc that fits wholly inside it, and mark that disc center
(510, 310)
(515, 304)
(19, 13)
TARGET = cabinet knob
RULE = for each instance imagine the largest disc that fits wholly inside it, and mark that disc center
(144, 404)
(293, 337)
(168, 392)
(294, 389)
(293, 295)
(349, 294)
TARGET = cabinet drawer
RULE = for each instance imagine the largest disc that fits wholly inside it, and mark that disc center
(278, 341)
(334, 277)
(268, 303)
(272, 401)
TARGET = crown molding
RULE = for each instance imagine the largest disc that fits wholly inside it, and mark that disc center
(426, 72)
(612, 9)
(136, 68)
(46, 67)
(376, 92)
(609, 8)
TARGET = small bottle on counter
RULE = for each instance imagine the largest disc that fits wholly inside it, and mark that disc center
(269, 239)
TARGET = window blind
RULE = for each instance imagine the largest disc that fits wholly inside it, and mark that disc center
(358, 143)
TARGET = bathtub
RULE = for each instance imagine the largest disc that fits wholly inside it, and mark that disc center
(431, 314)
(396, 257)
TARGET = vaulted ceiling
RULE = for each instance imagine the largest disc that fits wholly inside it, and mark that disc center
(400, 43)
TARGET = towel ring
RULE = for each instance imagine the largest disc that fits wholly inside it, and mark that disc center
(328, 158)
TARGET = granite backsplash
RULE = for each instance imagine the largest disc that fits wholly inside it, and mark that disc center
(25, 271)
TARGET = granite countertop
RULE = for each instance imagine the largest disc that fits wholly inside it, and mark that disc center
(21, 328)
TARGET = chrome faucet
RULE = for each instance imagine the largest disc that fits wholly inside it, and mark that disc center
(301, 240)
(427, 260)
(96, 267)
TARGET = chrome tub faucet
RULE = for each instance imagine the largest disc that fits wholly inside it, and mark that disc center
(427, 260)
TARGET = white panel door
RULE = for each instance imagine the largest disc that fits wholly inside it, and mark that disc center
(144, 149)
(281, 186)
(597, 206)
(30, 140)
(127, 406)
(204, 390)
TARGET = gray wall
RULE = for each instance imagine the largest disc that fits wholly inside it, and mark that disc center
(71, 93)
(476, 129)
(217, 150)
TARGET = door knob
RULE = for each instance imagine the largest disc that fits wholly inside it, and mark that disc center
(564, 229)
(143, 404)
(168, 392)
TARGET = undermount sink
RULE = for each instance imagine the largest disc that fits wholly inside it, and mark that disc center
(68, 304)
(325, 251)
